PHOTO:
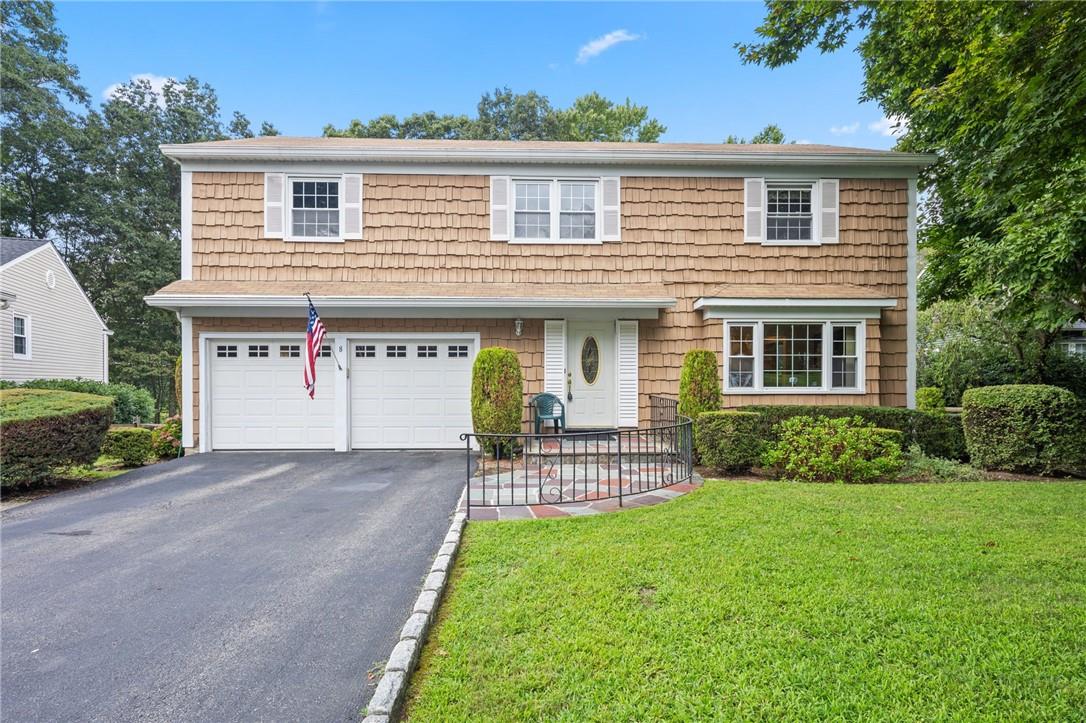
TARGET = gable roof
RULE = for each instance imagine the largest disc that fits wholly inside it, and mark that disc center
(12, 248)
(446, 151)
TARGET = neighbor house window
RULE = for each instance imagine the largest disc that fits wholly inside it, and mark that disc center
(554, 210)
(314, 208)
(20, 337)
(789, 215)
(801, 356)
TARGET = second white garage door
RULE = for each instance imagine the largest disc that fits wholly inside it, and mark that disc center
(410, 393)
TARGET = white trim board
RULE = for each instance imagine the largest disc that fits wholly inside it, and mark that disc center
(910, 307)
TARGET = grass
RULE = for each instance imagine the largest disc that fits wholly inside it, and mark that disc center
(18, 404)
(771, 601)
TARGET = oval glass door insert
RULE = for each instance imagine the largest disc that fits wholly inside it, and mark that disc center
(590, 360)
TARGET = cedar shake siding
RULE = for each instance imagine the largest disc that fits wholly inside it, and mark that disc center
(684, 234)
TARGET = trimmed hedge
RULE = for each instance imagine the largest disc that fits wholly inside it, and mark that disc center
(1025, 428)
(843, 450)
(129, 402)
(131, 445)
(937, 433)
(44, 429)
(497, 395)
(729, 441)
(930, 399)
(699, 383)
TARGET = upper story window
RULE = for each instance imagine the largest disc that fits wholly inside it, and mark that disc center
(793, 212)
(314, 208)
(20, 337)
(772, 357)
(789, 215)
(554, 210)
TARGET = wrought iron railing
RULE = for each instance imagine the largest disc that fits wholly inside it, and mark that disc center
(579, 467)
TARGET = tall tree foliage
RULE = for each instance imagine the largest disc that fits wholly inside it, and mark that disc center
(38, 134)
(505, 115)
(772, 133)
(998, 91)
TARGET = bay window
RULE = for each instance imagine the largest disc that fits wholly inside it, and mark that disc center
(799, 356)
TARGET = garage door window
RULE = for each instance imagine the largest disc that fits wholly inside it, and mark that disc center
(287, 351)
(427, 351)
(396, 351)
(258, 350)
(226, 351)
(325, 352)
(365, 351)
(458, 351)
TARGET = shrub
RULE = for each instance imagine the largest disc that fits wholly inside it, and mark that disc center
(497, 396)
(1024, 428)
(834, 450)
(44, 429)
(166, 439)
(930, 399)
(131, 445)
(729, 441)
(938, 434)
(919, 467)
(129, 402)
(699, 383)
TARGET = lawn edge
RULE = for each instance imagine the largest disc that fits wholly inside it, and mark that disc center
(387, 702)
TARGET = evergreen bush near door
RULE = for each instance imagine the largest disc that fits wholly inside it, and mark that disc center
(497, 396)
(42, 429)
(1024, 428)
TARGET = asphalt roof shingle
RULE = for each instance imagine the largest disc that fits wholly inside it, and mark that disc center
(12, 248)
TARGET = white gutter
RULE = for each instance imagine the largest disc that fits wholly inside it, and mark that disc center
(171, 301)
(661, 156)
(716, 302)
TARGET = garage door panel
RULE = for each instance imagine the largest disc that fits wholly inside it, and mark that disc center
(411, 400)
(258, 402)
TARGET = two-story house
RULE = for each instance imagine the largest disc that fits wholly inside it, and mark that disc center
(601, 264)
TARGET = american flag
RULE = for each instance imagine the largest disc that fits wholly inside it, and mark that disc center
(314, 335)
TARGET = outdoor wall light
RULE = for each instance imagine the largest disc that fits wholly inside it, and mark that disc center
(518, 327)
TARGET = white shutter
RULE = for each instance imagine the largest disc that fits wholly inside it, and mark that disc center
(274, 187)
(351, 198)
(499, 208)
(829, 210)
(554, 357)
(611, 223)
(754, 210)
(626, 372)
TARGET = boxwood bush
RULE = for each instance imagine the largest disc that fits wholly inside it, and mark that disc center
(729, 441)
(930, 399)
(699, 383)
(42, 429)
(1024, 428)
(847, 450)
(497, 396)
(938, 434)
(131, 445)
(130, 403)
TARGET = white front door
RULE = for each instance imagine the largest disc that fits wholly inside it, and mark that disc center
(590, 374)
(410, 392)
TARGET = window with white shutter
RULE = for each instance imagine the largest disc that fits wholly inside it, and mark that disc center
(754, 210)
(611, 211)
(352, 205)
(274, 184)
(829, 210)
(499, 208)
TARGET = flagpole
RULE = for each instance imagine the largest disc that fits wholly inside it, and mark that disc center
(330, 346)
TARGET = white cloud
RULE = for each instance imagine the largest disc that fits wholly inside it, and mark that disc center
(889, 126)
(158, 82)
(845, 130)
(594, 47)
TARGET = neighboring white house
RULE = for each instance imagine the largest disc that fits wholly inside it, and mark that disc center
(50, 329)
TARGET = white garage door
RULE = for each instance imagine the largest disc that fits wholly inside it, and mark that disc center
(258, 400)
(410, 392)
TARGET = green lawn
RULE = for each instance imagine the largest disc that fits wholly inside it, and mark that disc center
(773, 601)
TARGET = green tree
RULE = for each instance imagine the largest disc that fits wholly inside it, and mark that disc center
(240, 126)
(772, 133)
(998, 92)
(38, 134)
(505, 115)
(267, 129)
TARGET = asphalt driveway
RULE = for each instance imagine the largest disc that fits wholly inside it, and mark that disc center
(219, 587)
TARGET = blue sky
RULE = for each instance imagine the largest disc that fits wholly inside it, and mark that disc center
(302, 65)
